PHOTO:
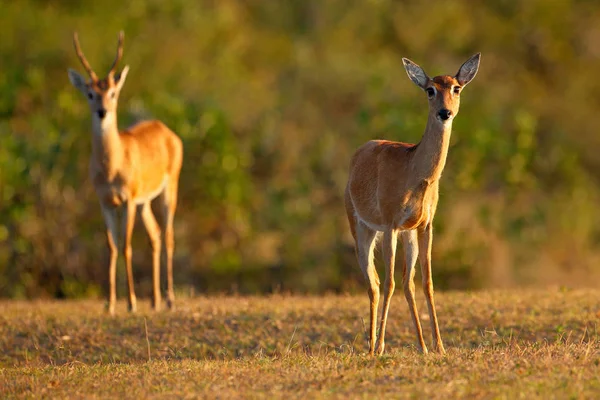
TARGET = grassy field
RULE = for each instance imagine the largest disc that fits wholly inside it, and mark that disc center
(501, 344)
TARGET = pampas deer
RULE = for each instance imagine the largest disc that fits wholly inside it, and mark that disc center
(130, 168)
(393, 190)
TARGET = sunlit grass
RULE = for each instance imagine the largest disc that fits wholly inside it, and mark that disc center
(500, 344)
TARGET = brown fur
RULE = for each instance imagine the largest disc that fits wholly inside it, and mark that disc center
(150, 151)
(130, 168)
(393, 190)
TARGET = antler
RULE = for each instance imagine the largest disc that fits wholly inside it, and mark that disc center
(119, 54)
(85, 63)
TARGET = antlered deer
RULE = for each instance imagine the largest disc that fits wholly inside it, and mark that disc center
(130, 168)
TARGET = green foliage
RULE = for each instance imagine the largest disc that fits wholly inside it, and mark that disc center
(271, 99)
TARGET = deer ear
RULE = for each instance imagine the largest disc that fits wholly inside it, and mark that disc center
(468, 70)
(415, 73)
(121, 76)
(78, 81)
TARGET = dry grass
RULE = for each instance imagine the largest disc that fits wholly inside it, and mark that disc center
(518, 344)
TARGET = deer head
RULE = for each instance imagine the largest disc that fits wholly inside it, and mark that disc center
(102, 94)
(443, 91)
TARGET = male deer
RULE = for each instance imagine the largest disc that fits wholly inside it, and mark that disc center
(393, 188)
(130, 168)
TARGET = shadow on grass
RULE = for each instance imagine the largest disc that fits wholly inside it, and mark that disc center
(232, 328)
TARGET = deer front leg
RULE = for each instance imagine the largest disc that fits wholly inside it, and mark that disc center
(411, 252)
(128, 222)
(110, 219)
(365, 243)
(390, 238)
(425, 243)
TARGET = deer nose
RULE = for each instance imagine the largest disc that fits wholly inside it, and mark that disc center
(101, 113)
(445, 114)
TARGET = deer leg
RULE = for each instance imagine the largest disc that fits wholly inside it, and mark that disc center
(110, 219)
(128, 222)
(425, 243)
(411, 252)
(365, 243)
(169, 213)
(153, 230)
(390, 238)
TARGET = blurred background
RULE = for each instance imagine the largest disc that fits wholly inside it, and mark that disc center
(271, 98)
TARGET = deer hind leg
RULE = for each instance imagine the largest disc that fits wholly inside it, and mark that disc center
(169, 207)
(110, 218)
(390, 238)
(365, 244)
(128, 222)
(411, 252)
(350, 212)
(154, 233)
(425, 242)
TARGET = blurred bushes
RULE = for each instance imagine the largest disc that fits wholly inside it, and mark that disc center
(271, 98)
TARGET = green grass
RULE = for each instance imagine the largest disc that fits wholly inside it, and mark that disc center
(501, 344)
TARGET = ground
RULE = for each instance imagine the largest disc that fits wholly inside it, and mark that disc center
(501, 344)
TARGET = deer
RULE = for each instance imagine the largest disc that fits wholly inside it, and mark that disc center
(130, 169)
(393, 190)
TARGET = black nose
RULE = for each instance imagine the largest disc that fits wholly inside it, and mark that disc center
(445, 114)
(101, 113)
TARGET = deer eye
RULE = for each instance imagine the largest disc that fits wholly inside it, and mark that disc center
(90, 95)
(430, 92)
(456, 89)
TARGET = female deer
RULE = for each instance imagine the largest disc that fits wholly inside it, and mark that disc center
(393, 189)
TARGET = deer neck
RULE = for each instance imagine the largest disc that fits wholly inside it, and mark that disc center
(430, 157)
(106, 144)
